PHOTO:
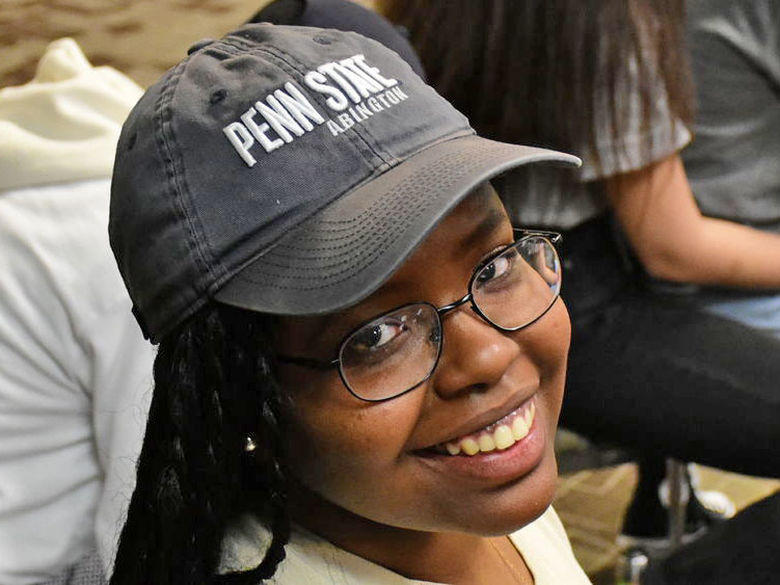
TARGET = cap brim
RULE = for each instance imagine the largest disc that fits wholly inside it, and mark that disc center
(345, 252)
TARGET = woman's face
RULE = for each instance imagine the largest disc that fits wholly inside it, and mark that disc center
(384, 461)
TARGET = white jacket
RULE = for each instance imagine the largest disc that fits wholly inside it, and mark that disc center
(75, 373)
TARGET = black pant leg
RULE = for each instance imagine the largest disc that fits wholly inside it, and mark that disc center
(660, 377)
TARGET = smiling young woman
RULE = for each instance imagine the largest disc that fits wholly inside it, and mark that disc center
(374, 478)
(361, 363)
(382, 461)
(608, 79)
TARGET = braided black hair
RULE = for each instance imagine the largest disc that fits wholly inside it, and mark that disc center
(214, 386)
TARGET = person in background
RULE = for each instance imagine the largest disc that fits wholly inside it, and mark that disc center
(75, 371)
(742, 550)
(609, 80)
(361, 363)
(733, 162)
(344, 15)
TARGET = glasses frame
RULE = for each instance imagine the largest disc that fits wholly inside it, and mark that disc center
(554, 238)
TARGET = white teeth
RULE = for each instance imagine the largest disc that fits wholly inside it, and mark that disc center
(529, 414)
(503, 437)
(519, 428)
(469, 446)
(513, 428)
(486, 443)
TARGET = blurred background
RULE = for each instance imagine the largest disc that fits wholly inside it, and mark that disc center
(143, 38)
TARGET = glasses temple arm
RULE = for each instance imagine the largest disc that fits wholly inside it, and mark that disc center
(307, 362)
(554, 237)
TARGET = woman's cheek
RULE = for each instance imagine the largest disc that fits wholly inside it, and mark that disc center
(549, 347)
(333, 449)
(560, 340)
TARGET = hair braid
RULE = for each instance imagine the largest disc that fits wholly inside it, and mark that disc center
(213, 386)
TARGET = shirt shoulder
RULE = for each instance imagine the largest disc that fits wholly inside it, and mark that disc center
(314, 561)
(548, 553)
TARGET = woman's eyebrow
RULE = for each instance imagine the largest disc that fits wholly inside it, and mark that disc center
(487, 227)
(484, 229)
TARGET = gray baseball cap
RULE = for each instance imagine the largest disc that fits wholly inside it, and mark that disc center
(286, 170)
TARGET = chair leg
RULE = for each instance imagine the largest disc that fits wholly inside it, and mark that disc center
(635, 560)
(678, 500)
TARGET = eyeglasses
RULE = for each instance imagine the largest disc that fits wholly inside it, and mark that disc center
(394, 353)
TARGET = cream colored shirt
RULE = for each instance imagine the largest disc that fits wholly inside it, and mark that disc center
(315, 561)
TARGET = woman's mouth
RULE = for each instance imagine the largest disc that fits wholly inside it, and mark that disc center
(506, 449)
(497, 436)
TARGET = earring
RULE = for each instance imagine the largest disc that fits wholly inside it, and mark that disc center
(251, 443)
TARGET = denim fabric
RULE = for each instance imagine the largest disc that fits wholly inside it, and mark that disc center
(651, 372)
(760, 312)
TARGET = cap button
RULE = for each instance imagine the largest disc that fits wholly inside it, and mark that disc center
(199, 45)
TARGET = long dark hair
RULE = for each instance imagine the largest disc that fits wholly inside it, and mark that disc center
(527, 71)
(214, 387)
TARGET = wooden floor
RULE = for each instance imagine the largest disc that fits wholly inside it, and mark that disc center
(140, 38)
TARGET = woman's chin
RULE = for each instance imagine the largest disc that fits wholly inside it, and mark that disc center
(512, 507)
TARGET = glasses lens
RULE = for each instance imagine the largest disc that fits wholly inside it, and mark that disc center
(393, 353)
(520, 284)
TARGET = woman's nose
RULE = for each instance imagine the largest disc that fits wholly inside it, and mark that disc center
(475, 355)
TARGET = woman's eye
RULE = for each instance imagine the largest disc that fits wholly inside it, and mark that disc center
(496, 269)
(377, 335)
